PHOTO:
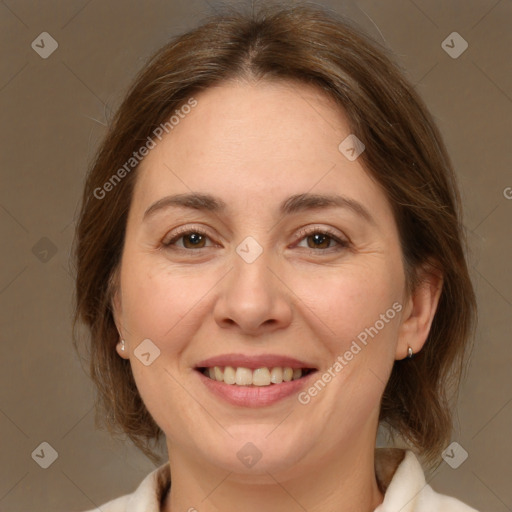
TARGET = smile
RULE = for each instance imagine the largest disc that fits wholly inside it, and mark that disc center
(241, 376)
(247, 392)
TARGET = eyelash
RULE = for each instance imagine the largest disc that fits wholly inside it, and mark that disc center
(303, 233)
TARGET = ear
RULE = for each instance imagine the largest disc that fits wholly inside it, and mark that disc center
(419, 311)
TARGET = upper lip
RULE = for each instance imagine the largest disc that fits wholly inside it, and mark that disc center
(253, 362)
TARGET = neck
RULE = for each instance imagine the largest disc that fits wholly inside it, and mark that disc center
(343, 481)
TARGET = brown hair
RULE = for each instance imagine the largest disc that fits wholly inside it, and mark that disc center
(404, 153)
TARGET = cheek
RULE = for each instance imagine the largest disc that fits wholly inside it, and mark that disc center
(351, 299)
(157, 303)
(166, 308)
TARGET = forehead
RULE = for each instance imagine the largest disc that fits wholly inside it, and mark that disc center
(254, 142)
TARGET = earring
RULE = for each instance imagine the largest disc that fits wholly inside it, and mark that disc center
(122, 345)
(409, 353)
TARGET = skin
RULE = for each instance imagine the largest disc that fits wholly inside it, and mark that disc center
(253, 145)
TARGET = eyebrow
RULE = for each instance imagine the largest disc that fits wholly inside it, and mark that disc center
(293, 204)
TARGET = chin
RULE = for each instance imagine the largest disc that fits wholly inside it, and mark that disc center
(259, 450)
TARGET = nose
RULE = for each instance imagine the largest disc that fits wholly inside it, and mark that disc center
(253, 298)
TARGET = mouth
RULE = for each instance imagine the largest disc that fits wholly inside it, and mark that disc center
(258, 377)
(254, 380)
(254, 387)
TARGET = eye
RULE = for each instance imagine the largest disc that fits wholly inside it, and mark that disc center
(317, 239)
(193, 238)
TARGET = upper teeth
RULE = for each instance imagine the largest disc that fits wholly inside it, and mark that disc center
(259, 377)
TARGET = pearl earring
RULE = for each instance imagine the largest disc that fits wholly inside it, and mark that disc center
(409, 353)
(122, 345)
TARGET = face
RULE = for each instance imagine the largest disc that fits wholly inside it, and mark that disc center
(261, 275)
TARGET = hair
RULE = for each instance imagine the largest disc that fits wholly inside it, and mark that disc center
(404, 153)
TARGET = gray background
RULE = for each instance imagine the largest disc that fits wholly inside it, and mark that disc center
(53, 115)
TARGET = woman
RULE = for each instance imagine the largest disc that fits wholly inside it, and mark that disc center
(271, 263)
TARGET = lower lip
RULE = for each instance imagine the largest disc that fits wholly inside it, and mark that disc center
(254, 396)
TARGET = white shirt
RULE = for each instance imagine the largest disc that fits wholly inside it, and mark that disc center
(404, 488)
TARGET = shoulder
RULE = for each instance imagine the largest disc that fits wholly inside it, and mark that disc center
(405, 487)
(146, 498)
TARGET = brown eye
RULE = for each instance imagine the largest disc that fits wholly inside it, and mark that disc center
(191, 239)
(319, 241)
